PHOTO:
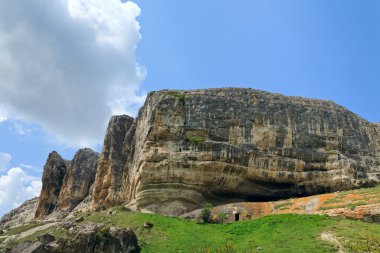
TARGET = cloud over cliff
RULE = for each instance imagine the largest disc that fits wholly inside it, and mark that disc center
(68, 65)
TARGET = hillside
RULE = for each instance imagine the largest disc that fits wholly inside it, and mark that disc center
(275, 233)
(281, 230)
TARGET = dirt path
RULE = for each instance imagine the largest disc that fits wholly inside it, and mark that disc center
(29, 232)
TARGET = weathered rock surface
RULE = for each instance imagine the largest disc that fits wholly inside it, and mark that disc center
(95, 238)
(86, 238)
(79, 178)
(186, 148)
(65, 184)
(20, 215)
(52, 179)
(116, 149)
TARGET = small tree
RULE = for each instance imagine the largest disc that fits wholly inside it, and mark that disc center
(205, 214)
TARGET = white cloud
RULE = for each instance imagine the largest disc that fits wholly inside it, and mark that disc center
(16, 187)
(68, 65)
(21, 129)
(4, 160)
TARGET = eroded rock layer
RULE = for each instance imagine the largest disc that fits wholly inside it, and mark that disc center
(112, 161)
(186, 148)
(65, 184)
(79, 178)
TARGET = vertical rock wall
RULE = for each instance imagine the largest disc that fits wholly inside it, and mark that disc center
(186, 148)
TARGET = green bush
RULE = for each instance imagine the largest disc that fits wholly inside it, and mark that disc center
(178, 95)
(197, 139)
(222, 217)
(205, 214)
(104, 234)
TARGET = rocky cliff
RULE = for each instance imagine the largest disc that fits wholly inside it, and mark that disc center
(186, 148)
(79, 178)
(65, 184)
(52, 179)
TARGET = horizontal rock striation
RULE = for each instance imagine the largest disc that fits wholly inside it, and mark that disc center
(186, 148)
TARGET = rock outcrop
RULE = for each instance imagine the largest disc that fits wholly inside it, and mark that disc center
(116, 149)
(65, 184)
(52, 179)
(79, 178)
(95, 238)
(20, 215)
(186, 148)
(87, 238)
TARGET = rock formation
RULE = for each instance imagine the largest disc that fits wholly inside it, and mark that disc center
(86, 238)
(114, 156)
(20, 215)
(186, 148)
(79, 178)
(65, 184)
(52, 179)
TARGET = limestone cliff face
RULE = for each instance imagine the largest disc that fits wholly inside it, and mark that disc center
(66, 183)
(114, 156)
(79, 178)
(52, 179)
(186, 148)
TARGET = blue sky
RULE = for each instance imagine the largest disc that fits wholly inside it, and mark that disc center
(320, 49)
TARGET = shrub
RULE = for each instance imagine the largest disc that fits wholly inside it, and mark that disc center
(205, 214)
(178, 95)
(222, 217)
(197, 139)
(104, 234)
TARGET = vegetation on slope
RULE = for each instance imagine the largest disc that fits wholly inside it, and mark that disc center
(275, 233)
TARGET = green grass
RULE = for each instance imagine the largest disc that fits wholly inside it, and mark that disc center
(56, 232)
(283, 206)
(197, 139)
(23, 228)
(275, 233)
(177, 95)
(350, 205)
(333, 201)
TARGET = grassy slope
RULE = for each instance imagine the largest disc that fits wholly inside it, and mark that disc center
(276, 233)
(22, 228)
